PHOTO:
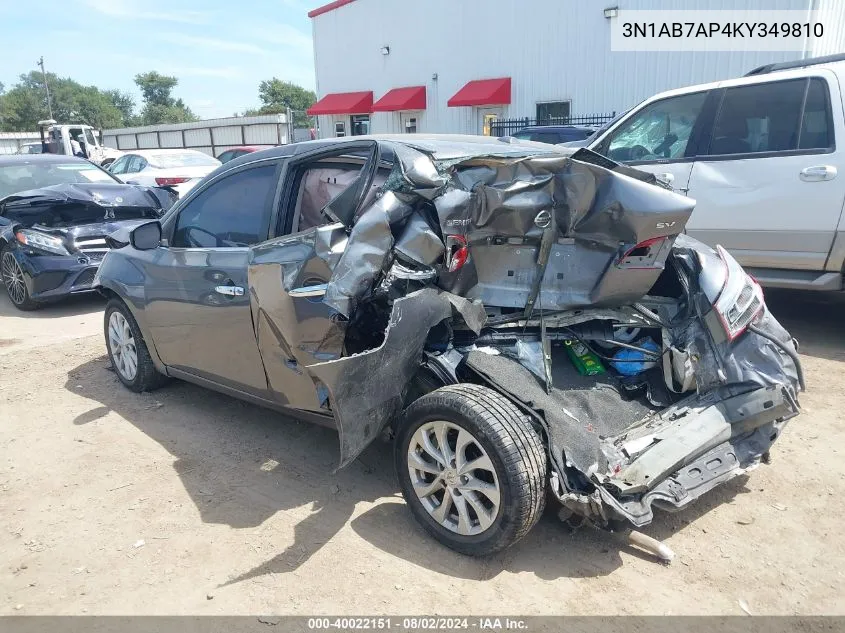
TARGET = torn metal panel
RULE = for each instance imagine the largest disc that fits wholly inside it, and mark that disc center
(295, 331)
(418, 243)
(501, 206)
(367, 389)
(366, 253)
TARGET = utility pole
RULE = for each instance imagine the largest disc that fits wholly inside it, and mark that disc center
(46, 87)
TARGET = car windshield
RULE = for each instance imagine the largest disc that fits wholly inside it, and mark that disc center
(34, 175)
(182, 159)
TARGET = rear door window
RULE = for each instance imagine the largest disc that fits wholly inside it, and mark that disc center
(659, 131)
(780, 116)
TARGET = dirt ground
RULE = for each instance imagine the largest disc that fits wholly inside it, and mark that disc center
(184, 501)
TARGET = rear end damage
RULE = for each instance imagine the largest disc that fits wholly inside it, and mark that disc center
(645, 362)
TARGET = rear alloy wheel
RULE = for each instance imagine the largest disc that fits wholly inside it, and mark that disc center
(471, 468)
(127, 351)
(13, 280)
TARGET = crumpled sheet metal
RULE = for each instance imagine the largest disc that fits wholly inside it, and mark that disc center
(749, 360)
(493, 202)
(293, 333)
(366, 254)
(100, 194)
(367, 390)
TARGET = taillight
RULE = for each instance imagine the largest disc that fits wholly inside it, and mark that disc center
(457, 252)
(741, 298)
(644, 254)
(166, 182)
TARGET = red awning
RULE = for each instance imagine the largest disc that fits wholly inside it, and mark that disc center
(483, 92)
(343, 103)
(412, 98)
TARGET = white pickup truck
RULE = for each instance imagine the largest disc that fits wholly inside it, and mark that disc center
(58, 139)
(761, 156)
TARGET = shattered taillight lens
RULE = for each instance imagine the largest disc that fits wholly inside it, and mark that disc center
(457, 252)
(740, 300)
(643, 255)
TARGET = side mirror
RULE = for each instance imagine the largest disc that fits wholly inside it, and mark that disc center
(146, 237)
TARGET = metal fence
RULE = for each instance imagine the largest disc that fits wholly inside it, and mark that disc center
(506, 127)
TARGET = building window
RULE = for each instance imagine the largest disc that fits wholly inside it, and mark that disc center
(339, 128)
(411, 125)
(553, 110)
(360, 124)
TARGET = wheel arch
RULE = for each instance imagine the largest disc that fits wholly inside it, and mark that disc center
(109, 291)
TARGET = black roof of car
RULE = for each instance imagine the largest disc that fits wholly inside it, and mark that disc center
(17, 159)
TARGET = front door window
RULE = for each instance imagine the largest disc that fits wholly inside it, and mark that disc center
(234, 212)
(659, 131)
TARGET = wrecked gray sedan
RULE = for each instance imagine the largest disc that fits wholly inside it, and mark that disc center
(520, 320)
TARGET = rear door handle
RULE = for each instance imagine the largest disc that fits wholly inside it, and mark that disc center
(818, 173)
(229, 291)
(309, 291)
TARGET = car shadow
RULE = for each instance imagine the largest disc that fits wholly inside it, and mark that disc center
(241, 464)
(814, 318)
(74, 305)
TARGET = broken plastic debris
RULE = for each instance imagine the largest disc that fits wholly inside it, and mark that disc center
(139, 543)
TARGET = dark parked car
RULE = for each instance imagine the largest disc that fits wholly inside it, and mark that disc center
(554, 134)
(55, 215)
(524, 321)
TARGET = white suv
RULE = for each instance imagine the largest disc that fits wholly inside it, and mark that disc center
(760, 156)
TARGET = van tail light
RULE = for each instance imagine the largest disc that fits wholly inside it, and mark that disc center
(457, 252)
(168, 182)
(645, 254)
(740, 300)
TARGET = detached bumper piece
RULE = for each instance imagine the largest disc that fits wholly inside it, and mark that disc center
(711, 447)
(55, 277)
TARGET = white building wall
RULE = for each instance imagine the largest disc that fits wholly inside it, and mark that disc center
(552, 49)
(831, 13)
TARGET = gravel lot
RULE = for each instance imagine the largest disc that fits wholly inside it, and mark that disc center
(184, 501)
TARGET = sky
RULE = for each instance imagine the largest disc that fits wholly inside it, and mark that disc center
(218, 49)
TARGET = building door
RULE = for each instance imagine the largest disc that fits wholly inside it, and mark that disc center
(410, 122)
(486, 118)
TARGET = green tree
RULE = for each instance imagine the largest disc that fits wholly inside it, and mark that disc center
(277, 96)
(23, 105)
(124, 102)
(159, 105)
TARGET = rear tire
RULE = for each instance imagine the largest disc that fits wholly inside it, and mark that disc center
(14, 283)
(128, 352)
(486, 490)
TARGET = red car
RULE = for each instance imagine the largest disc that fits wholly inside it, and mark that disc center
(229, 154)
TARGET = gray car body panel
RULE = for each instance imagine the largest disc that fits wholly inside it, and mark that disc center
(538, 223)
